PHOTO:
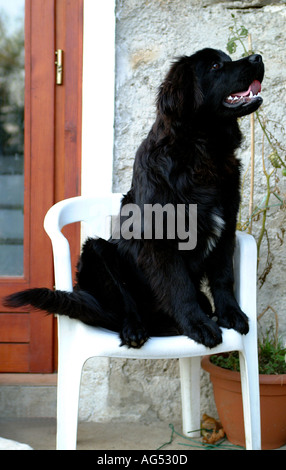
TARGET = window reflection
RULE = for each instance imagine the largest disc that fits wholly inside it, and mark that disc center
(11, 137)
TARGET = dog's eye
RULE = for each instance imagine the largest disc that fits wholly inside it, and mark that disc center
(215, 66)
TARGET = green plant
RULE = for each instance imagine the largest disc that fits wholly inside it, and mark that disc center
(271, 352)
(228, 361)
(273, 172)
(271, 358)
(237, 35)
(272, 163)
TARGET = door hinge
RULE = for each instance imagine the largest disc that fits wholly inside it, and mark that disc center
(59, 66)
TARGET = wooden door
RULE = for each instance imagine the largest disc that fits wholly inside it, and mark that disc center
(52, 134)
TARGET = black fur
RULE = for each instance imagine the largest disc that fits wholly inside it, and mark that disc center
(149, 287)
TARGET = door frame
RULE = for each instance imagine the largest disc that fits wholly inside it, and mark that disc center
(52, 170)
(32, 353)
(98, 97)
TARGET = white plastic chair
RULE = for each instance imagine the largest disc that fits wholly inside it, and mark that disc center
(79, 342)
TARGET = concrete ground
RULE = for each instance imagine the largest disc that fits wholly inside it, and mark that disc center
(22, 394)
(40, 434)
(28, 410)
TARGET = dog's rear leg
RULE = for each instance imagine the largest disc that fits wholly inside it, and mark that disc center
(103, 269)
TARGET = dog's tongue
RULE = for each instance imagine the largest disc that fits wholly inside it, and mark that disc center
(255, 87)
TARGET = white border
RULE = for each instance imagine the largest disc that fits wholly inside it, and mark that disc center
(98, 96)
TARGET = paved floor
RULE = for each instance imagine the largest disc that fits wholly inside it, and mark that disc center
(40, 434)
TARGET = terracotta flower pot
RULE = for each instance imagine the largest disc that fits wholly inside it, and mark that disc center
(228, 399)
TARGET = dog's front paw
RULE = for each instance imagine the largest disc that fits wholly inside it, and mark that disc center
(133, 334)
(231, 316)
(204, 331)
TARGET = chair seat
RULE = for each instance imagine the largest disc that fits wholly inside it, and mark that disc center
(96, 341)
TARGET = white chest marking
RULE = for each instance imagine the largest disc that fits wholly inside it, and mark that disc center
(217, 228)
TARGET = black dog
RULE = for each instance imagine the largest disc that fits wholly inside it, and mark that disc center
(143, 287)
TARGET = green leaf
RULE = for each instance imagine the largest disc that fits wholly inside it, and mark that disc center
(243, 32)
(231, 45)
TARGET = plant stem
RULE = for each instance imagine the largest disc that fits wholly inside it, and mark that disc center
(263, 224)
(263, 127)
(252, 155)
(238, 35)
(252, 160)
(276, 322)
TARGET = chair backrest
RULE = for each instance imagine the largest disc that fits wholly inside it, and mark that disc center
(97, 214)
(93, 212)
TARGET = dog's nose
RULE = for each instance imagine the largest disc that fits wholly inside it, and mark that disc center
(255, 58)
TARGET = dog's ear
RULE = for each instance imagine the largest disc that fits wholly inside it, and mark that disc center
(179, 93)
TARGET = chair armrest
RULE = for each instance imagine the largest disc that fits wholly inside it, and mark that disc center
(245, 270)
(61, 248)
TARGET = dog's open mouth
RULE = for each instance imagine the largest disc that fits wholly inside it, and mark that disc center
(244, 97)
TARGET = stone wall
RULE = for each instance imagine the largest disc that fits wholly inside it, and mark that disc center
(149, 34)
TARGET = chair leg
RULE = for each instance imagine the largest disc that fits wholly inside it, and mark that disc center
(251, 400)
(67, 405)
(190, 368)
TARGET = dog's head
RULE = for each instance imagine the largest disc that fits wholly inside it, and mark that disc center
(210, 80)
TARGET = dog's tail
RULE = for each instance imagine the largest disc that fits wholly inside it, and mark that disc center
(77, 304)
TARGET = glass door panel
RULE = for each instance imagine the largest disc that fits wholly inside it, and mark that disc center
(12, 87)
